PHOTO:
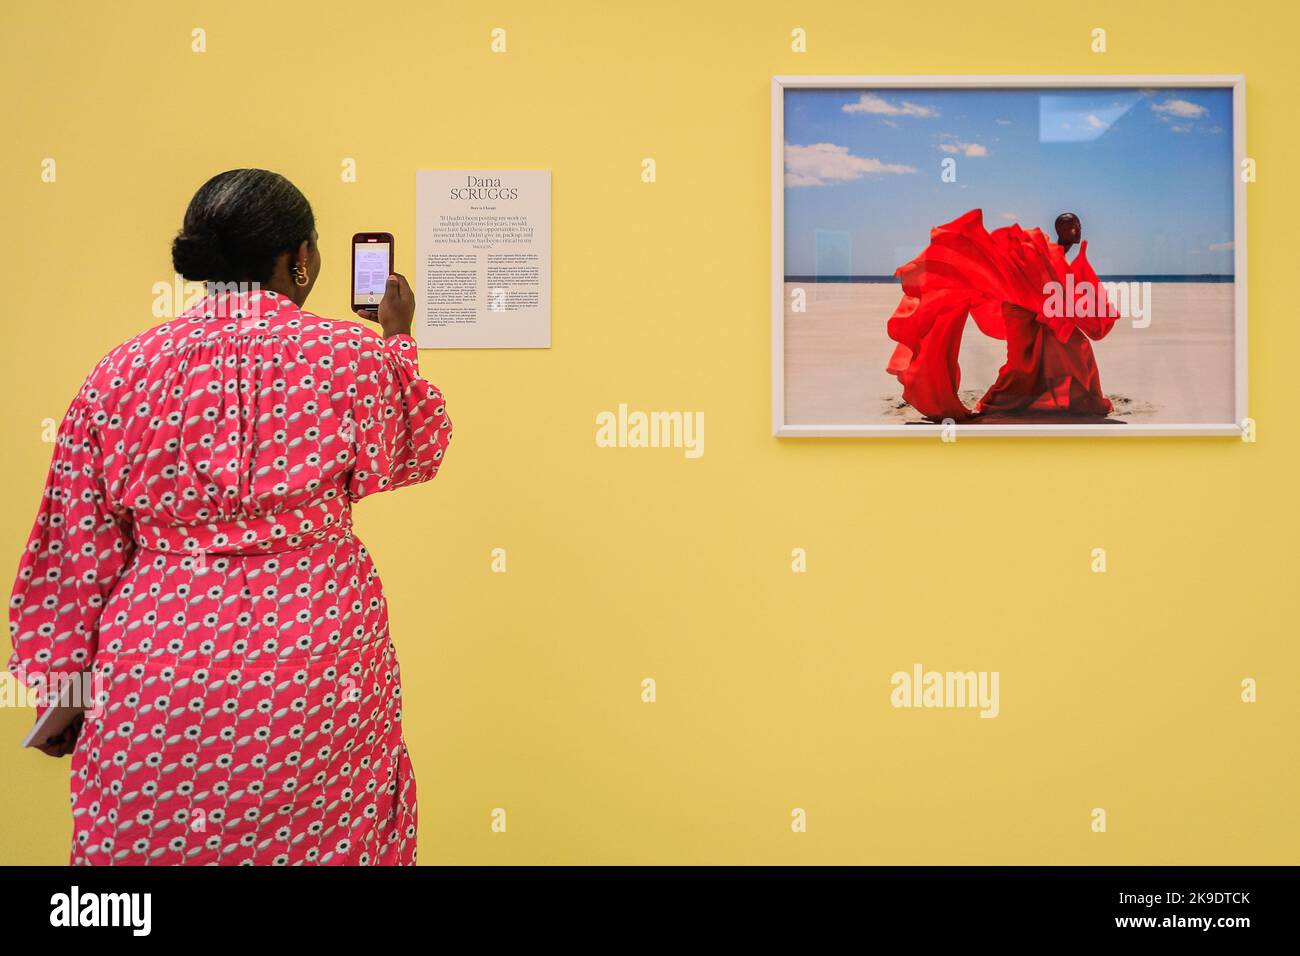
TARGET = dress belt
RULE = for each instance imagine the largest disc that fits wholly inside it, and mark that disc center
(259, 534)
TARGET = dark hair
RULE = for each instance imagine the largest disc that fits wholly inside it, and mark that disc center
(238, 224)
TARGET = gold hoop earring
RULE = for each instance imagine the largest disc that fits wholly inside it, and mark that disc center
(299, 276)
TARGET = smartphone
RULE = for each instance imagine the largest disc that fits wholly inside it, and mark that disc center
(372, 264)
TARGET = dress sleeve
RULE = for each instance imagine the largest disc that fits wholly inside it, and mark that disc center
(75, 554)
(1096, 321)
(402, 428)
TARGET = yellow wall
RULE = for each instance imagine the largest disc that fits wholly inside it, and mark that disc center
(523, 689)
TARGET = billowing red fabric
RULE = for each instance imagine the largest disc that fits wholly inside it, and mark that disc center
(1001, 280)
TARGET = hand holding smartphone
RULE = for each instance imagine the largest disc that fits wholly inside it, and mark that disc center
(379, 293)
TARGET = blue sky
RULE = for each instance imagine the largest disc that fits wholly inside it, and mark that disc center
(1149, 172)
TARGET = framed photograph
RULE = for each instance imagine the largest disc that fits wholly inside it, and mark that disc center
(1009, 255)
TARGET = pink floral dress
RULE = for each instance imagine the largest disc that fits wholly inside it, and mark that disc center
(194, 551)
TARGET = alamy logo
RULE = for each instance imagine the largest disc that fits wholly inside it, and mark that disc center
(624, 429)
(85, 689)
(102, 909)
(1098, 300)
(922, 688)
(172, 299)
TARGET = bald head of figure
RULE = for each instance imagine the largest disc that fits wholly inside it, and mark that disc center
(1069, 229)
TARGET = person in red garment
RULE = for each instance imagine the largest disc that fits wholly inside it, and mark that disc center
(1017, 286)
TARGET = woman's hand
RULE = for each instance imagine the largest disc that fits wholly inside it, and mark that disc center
(64, 742)
(396, 308)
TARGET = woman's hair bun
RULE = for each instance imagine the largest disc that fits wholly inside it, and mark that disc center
(239, 225)
(198, 257)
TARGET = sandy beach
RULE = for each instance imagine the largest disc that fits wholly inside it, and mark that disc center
(1179, 370)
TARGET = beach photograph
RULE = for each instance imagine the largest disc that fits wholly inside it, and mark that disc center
(1008, 256)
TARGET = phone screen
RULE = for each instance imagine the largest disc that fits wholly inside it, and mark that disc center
(371, 263)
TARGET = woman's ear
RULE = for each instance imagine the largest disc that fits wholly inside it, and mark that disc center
(303, 256)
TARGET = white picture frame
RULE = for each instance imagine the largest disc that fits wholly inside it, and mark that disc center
(783, 429)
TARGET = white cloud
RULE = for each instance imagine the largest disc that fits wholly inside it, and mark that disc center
(822, 164)
(1180, 108)
(1010, 216)
(1180, 129)
(871, 103)
(951, 144)
(1003, 122)
(1221, 246)
(1096, 122)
